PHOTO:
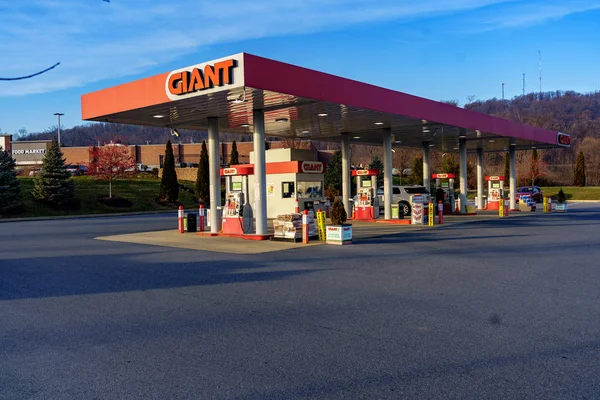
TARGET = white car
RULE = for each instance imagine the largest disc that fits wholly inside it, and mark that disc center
(401, 196)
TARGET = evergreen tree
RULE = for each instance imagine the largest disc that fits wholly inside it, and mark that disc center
(338, 213)
(234, 156)
(202, 187)
(10, 200)
(507, 166)
(377, 164)
(169, 187)
(333, 174)
(53, 185)
(416, 175)
(580, 170)
(449, 166)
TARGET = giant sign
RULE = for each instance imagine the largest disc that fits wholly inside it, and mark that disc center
(312, 167)
(205, 78)
(563, 139)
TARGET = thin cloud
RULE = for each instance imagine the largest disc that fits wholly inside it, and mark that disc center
(96, 40)
(534, 13)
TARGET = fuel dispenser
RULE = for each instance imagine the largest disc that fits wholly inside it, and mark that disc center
(495, 192)
(444, 185)
(237, 213)
(366, 206)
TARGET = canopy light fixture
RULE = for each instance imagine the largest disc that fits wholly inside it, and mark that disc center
(398, 141)
(431, 145)
(158, 116)
(281, 120)
(356, 137)
(244, 125)
(378, 123)
(492, 140)
(463, 136)
(305, 132)
(322, 114)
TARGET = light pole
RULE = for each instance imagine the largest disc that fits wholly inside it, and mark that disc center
(58, 114)
(502, 92)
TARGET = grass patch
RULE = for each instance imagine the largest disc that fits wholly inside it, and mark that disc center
(574, 192)
(135, 194)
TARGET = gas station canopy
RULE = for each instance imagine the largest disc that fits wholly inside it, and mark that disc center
(303, 103)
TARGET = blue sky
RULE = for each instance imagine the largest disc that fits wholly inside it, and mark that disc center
(439, 49)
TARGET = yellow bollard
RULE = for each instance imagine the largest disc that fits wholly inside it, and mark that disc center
(545, 204)
(430, 215)
(501, 208)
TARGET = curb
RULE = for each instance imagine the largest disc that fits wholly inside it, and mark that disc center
(55, 217)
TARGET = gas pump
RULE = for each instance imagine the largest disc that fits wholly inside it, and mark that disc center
(495, 192)
(237, 213)
(444, 184)
(366, 206)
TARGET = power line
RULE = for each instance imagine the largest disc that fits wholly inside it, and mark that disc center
(30, 76)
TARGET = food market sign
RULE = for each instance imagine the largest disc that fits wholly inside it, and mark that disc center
(28, 151)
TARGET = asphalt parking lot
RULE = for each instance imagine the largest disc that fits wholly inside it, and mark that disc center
(491, 309)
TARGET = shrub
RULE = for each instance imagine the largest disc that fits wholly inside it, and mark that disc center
(561, 196)
(155, 171)
(338, 213)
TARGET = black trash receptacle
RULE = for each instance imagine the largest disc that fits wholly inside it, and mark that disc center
(191, 222)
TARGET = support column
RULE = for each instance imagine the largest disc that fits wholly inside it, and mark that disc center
(214, 174)
(426, 170)
(387, 174)
(346, 173)
(462, 145)
(260, 172)
(480, 179)
(513, 177)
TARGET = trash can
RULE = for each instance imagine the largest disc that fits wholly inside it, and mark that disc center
(192, 222)
(400, 212)
(395, 211)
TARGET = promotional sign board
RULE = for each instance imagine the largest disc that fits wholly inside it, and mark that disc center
(417, 209)
(564, 140)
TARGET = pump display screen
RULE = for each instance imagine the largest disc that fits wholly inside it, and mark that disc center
(445, 184)
(310, 189)
(366, 183)
(496, 185)
(236, 186)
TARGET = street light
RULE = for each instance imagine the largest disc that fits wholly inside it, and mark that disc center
(58, 114)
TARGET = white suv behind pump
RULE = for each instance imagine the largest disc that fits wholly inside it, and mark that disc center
(401, 196)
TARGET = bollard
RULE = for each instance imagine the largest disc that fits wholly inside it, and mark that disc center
(201, 217)
(501, 208)
(180, 218)
(506, 208)
(430, 214)
(305, 227)
(457, 206)
(440, 212)
(297, 209)
(549, 204)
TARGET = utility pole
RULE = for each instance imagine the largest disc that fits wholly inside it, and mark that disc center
(58, 114)
(502, 91)
(523, 84)
(540, 65)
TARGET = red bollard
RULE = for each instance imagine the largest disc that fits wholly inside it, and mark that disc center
(305, 227)
(440, 212)
(201, 217)
(506, 207)
(180, 218)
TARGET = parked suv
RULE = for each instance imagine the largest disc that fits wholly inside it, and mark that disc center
(401, 196)
(77, 169)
